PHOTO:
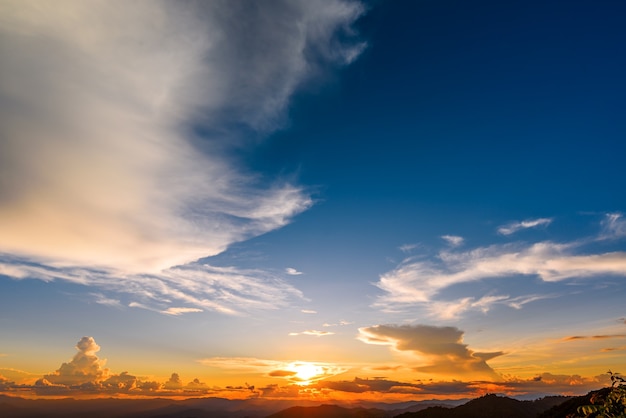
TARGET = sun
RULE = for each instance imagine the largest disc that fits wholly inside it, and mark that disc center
(304, 373)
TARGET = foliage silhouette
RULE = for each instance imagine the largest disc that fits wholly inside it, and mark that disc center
(607, 404)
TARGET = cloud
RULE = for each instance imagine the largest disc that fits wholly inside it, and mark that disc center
(513, 227)
(120, 124)
(292, 272)
(174, 382)
(454, 309)
(441, 348)
(84, 368)
(103, 300)
(613, 226)
(180, 311)
(593, 337)
(340, 323)
(313, 332)
(227, 290)
(308, 311)
(453, 240)
(407, 248)
(422, 281)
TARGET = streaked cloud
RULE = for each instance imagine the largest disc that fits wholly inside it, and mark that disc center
(513, 227)
(613, 226)
(227, 290)
(441, 348)
(453, 240)
(423, 281)
(407, 248)
(293, 371)
(119, 127)
(312, 332)
(340, 323)
(292, 272)
(103, 300)
(308, 311)
(593, 337)
(180, 311)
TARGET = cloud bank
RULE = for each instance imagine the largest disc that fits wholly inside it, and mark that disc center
(118, 121)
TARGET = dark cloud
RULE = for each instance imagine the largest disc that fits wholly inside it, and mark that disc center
(443, 346)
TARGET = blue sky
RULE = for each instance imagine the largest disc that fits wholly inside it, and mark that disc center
(335, 182)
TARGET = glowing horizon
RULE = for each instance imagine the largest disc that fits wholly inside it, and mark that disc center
(311, 200)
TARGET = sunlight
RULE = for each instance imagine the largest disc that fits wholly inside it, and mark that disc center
(306, 372)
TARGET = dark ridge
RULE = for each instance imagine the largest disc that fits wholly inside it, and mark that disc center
(491, 406)
(328, 411)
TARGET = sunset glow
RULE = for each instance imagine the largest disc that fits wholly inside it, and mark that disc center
(299, 202)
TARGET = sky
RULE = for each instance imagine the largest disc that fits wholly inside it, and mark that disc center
(320, 199)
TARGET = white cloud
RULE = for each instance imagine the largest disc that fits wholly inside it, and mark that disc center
(453, 240)
(180, 311)
(103, 300)
(613, 226)
(513, 227)
(84, 368)
(312, 332)
(423, 281)
(308, 311)
(100, 164)
(292, 272)
(227, 290)
(407, 248)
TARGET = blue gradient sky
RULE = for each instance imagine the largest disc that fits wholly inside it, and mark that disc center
(402, 190)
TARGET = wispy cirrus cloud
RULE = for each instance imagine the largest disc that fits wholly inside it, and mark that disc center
(593, 337)
(422, 281)
(313, 332)
(513, 227)
(120, 123)
(453, 240)
(613, 226)
(199, 287)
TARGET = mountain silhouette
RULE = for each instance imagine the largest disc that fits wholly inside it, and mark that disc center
(490, 406)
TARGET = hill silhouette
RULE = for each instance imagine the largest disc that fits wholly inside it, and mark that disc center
(491, 406)
(329, 411)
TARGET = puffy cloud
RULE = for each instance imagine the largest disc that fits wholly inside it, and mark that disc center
(174, 382)
(441, 348)
(84, 368)
(121, 382)
(195, 385)
(292, 272)
(513, 227)
(5, 384)
(120, 122)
